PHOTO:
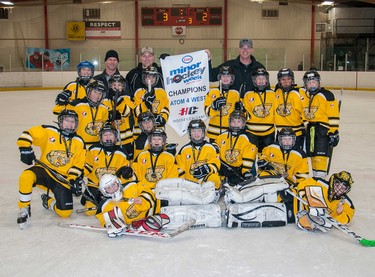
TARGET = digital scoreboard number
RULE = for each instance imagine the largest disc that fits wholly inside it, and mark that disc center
(181, 16)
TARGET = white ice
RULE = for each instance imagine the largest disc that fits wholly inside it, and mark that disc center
(45, 249)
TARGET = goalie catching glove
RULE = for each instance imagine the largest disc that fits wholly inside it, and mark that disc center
(151, 223)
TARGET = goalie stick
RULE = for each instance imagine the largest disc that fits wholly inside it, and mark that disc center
(137, 233)
(341, 227)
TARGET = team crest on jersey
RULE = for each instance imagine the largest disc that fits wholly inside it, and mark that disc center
(103, 170)
(231, 155)
(284, 110)
(155, 106)
(225, 109)
(59, 158)
(52, 139)
(154, 176)
(131, 212)
(262, 111)
(93, 128)
(310, 113)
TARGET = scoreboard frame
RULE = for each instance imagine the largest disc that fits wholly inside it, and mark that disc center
(186, 16)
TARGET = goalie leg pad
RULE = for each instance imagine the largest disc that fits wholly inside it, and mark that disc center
(114, 222)
(255, 215)
(178, 191)
(205, 215)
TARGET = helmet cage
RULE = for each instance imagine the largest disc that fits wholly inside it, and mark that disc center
(157, 133)
(150, 71)
(197, 124)
(286, 132)
(285, 72)
(311, 75)
(339, 185)
(256, 74)
(226, 71)
(117, 79)
(60, 119)
(235, 130)
(85, 64)
(110, 186)
(97, 86)
(108, 143)
(145, 117)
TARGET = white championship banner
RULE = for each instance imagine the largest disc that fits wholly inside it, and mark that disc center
(186, 81)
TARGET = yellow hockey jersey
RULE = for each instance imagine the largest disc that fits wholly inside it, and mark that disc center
(321, 108)
(150, 168)
(260, 112)
(190, 157)
(348, 208)
(74, 87)
(65, 156)
(293, 165)
(288, 110)
(237, 151)
(150, 205)
(99, 162)
(90, 119)
(216, 126)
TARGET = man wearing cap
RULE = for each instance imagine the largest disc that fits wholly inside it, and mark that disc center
(134, 76)
(111, 61)
(244, 65)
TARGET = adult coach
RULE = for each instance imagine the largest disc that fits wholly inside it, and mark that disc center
(244, 65)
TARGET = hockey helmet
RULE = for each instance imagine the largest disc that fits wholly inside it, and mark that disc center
(311, 75)
(237, 122)
(150, 76)
(155, 146)
(110, 186)
(108, 141)
(67, 130)
(146, 122)
(286, 138)
(95, 92)
(260, 78)
(226, 70)
(84, 78)
(339, 185)
(197, 124)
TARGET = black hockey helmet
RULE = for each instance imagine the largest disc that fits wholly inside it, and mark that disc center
(311, 75)
(60, 119)
(339, 185)
(286, 132)
(95, 85)
(144, 117)
(157, 133)
(260, 72)
(108, 128)
(197, 124)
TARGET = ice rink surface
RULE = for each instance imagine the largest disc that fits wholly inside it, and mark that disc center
(45, 249)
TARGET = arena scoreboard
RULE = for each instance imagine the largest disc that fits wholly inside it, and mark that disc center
(189, 16)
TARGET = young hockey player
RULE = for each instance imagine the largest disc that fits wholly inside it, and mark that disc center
(151, 98)
(155, 164)
(62, 153)
(259, 106)
(199, 160)
(237, 153)
(104, 157)
(288, 106)
(324, 198)
(92, 114)
(76, 90)
(147, 125)
(129, 207)
(321, 112)
(220, 103)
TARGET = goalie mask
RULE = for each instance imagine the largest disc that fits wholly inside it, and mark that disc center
(339, 185)
(285, 78)
(286, 138)
(110, 187)
(150, 77)
(157, 140)
(68, 122)
(146, 122)
(95, 92)
(311, 80)
(197, 131)
(85, 70)
(226, 76)
(237, 123)
(108, 136)
(117, 82)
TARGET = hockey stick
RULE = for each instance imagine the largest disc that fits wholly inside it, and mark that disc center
(330, 149)
(138, 233)
(79, 211)
(341, 227)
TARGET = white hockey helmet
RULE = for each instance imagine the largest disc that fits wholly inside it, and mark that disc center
(110, 186)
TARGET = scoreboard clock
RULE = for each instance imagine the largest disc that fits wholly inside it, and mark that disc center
(189, 16)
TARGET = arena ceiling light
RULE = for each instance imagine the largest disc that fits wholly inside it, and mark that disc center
(9, 3)
(327, 3)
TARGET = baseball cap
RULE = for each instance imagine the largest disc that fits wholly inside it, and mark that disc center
(111, 54)
(246, 41)
(147, 49)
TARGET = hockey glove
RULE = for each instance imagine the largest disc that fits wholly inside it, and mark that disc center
(125, 172)
(218, 103)
(264, 165)
(76, 186)
(149, 98)
(201, 171)
(171, 148)
(334, 138)
(27, 155)
(238, 106)
(159, 120)
(63, 97)
(112, 117)
(247, 175)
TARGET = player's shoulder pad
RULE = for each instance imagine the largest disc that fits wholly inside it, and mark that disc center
(301, 152)
(327, 94)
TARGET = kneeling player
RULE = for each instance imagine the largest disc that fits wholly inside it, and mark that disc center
(324, 198)
(128, 207)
